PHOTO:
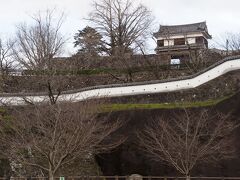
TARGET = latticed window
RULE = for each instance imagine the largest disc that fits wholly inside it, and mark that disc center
(179, 41)
(199, 40)
(160, 43)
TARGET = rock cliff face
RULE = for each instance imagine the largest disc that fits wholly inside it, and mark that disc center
(130, 159)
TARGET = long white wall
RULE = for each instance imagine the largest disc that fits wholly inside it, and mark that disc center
(177, 85)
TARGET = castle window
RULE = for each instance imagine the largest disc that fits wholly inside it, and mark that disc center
(179, 41)
(199, 40)
(160, 43)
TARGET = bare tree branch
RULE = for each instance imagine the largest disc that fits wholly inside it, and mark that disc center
(52, 136)
(188, 138)
(38, 44)
(121, 23)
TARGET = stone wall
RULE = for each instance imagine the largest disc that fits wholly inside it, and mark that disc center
(119, 62)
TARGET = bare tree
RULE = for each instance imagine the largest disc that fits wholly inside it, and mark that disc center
(6, 60)
(50, 137)
(188, 138)
(122, 24)
(233, 44)
(36, 47)
(127, 67)
(229, 44)
(37, 44)
(7, 63)
(155, 66)
(200, 59)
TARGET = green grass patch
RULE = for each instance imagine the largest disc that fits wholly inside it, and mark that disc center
(2, 110)
(124, 107)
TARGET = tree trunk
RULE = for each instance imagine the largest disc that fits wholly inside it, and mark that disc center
(51, 175)
(188, 177)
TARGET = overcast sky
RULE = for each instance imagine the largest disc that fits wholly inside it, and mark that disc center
(221, 15)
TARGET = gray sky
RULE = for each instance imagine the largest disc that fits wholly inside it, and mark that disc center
(221, 15)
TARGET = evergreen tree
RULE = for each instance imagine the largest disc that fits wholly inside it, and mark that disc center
(89, 41)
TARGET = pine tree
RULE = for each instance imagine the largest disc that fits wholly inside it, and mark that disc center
(89, 41)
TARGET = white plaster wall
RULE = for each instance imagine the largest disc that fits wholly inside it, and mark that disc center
(217, 71)
(169, 42)
(191, 40)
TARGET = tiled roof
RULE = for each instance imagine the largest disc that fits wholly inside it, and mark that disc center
(183, 29)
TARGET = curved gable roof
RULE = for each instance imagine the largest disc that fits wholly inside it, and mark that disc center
(183, 29)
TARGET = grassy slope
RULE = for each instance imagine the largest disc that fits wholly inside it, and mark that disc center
(123, 107)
